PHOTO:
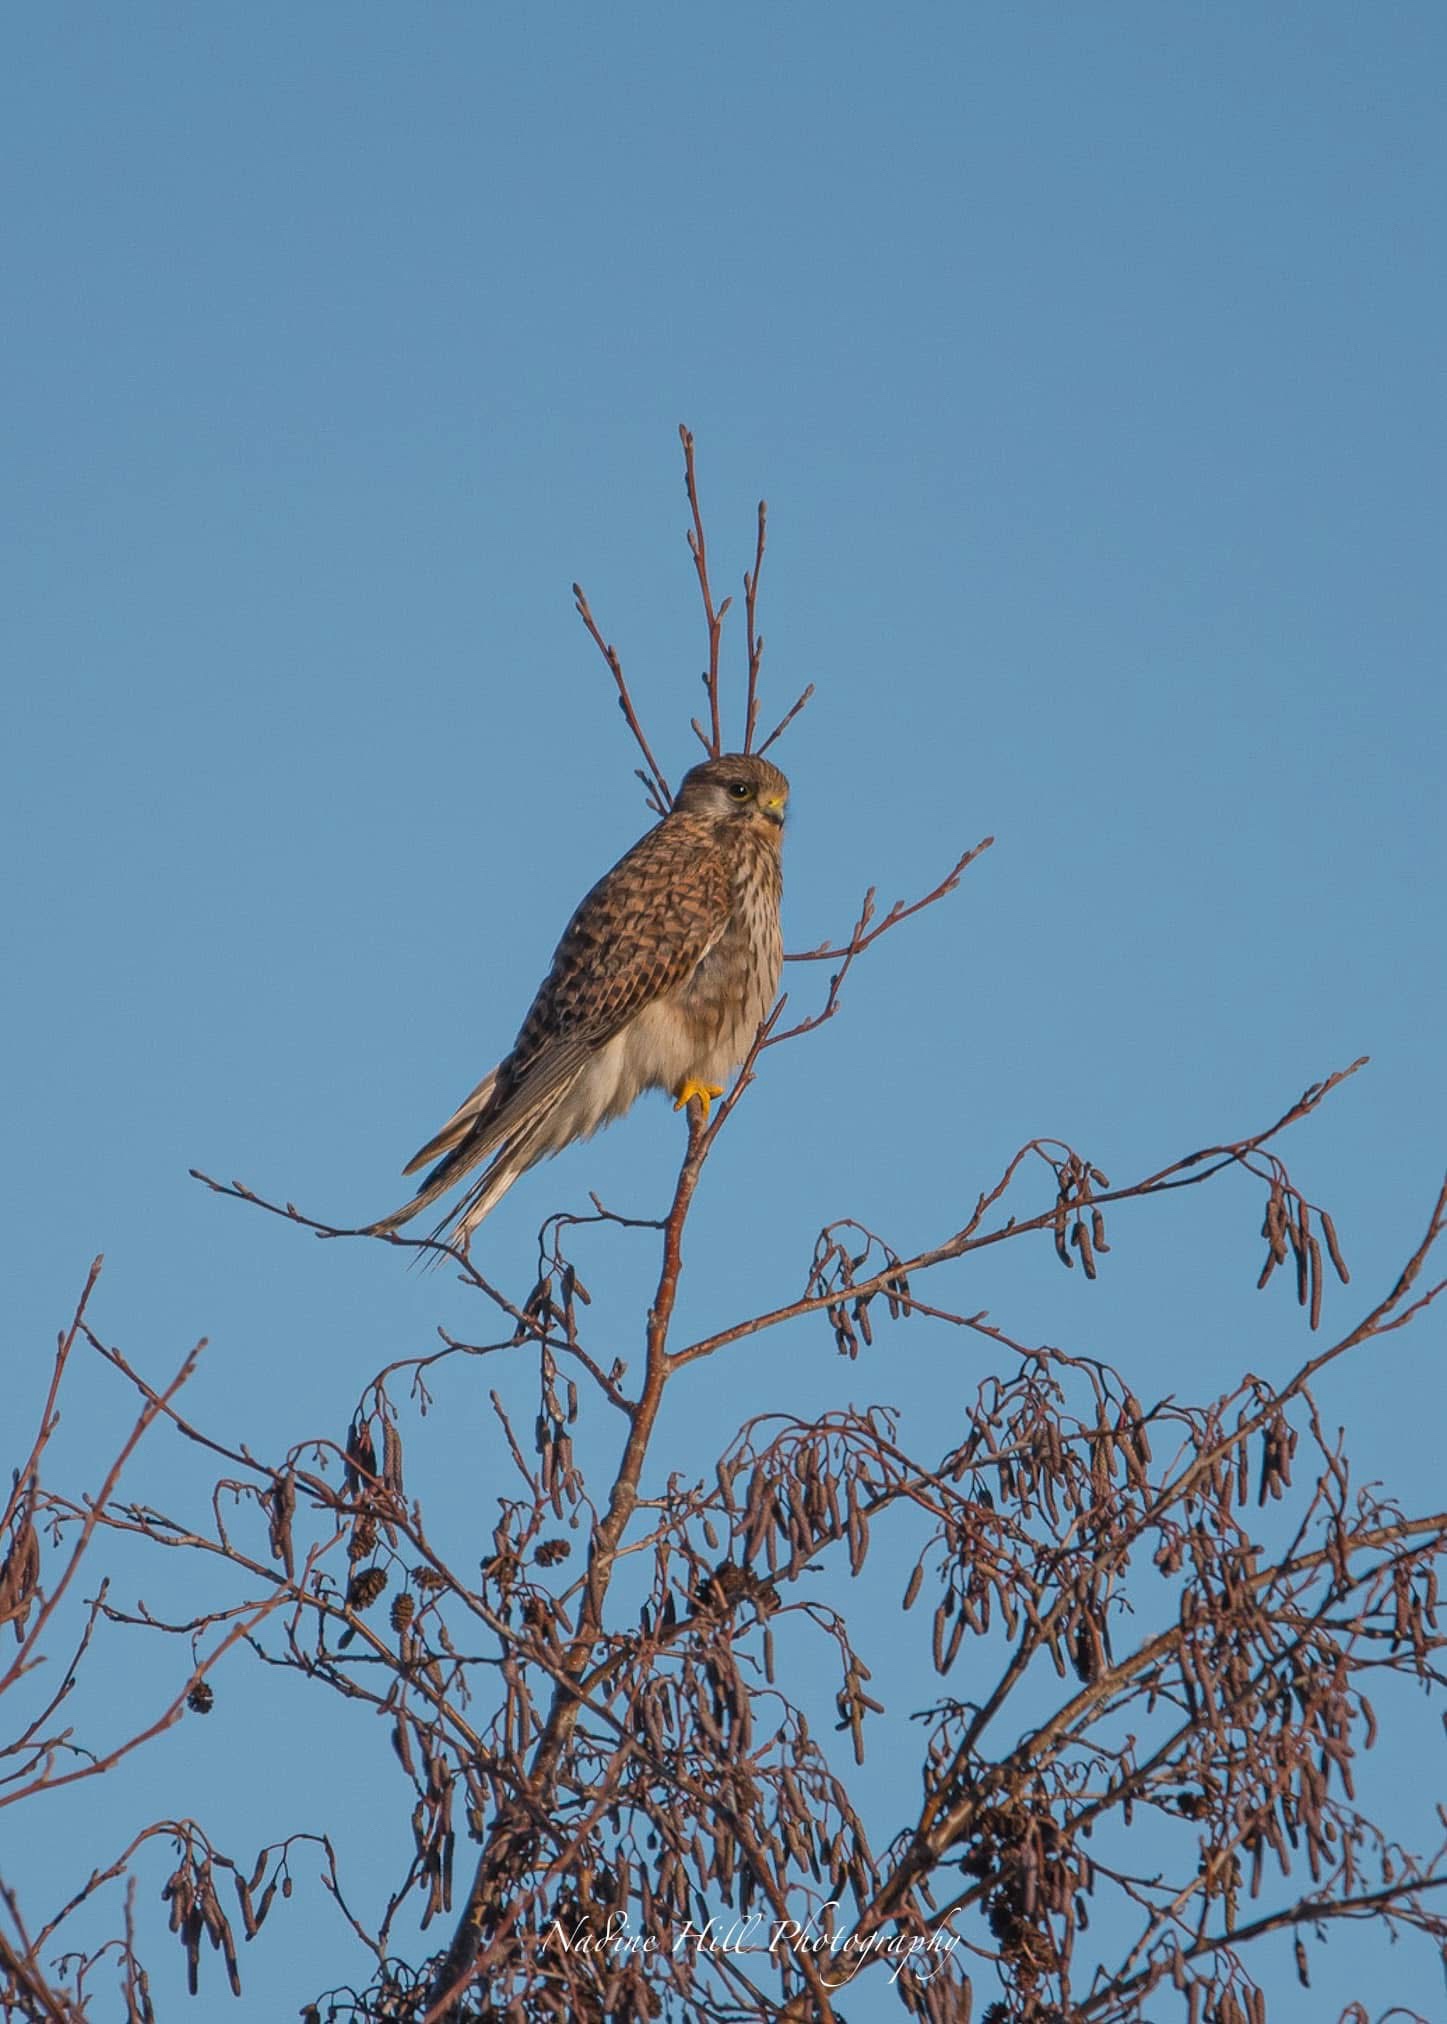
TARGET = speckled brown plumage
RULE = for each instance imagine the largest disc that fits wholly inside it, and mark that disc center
(659, 982)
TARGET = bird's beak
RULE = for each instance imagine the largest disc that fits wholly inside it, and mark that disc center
(773, 806)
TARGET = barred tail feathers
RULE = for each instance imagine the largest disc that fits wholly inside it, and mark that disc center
(514, 1133)
(467, 1115)
(522, 1149)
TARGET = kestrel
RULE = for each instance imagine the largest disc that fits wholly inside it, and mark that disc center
(660, 982)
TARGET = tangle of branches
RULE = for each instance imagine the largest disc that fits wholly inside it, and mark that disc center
(1160, 1631)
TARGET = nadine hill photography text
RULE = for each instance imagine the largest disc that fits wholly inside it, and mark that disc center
(837, 1956)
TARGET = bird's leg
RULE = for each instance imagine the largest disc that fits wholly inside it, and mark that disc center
(691, 1087)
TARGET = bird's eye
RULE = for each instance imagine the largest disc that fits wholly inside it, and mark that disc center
(740, 790)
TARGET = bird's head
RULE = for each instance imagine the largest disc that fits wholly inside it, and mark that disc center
(739, 787)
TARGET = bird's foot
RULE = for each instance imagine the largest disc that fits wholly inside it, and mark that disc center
(704, 1091)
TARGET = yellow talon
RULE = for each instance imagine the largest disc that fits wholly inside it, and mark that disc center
(704, 1091)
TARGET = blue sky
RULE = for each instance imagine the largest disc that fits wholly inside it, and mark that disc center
(1090, 362)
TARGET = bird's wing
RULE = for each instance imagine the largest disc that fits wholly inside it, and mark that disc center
(641, 931)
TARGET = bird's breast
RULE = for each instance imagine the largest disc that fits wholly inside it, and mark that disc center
(734, 985)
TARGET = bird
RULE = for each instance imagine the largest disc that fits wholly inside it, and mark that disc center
(660, 981)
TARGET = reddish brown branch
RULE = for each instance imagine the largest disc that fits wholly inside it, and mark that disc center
(713, 618)
(788, 717)
(24, 1478)
(660, 799)
(755, 637)
(1191, 1171)
(456, 1969)
(21, 1975)
(1308, 1911)
(52, 1781)
(859, 941)
(145, 1419)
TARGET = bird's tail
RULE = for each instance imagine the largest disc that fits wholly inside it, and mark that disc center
(467, 1137)
(514, 1132)
(509, 1165)
(469, 1115)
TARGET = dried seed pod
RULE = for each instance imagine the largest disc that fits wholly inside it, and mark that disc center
(1080, 1238)
(1334, 1249)
(845, 1339)
(1085, 1651)
(281, 1509)
(404, 1608)
(392, 1457)
(249, 1922)
(363, 1537)
(1058, 1223)
(365, 1586)
(1142, 1436)
(428, 1579)
(176, 1892)
(944, 1610)
(201, 1699)
(1102, 1456)
(361, 1457)
(1298, 1234)
(20, 1572)
(1313, 1250)
(858, 1530)
(549, 1552)
(538, 1616)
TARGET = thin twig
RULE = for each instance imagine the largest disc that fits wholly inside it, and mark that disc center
(659, 797)
(755, 637)
(698, 549)
(788, 717)
(827, 953)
